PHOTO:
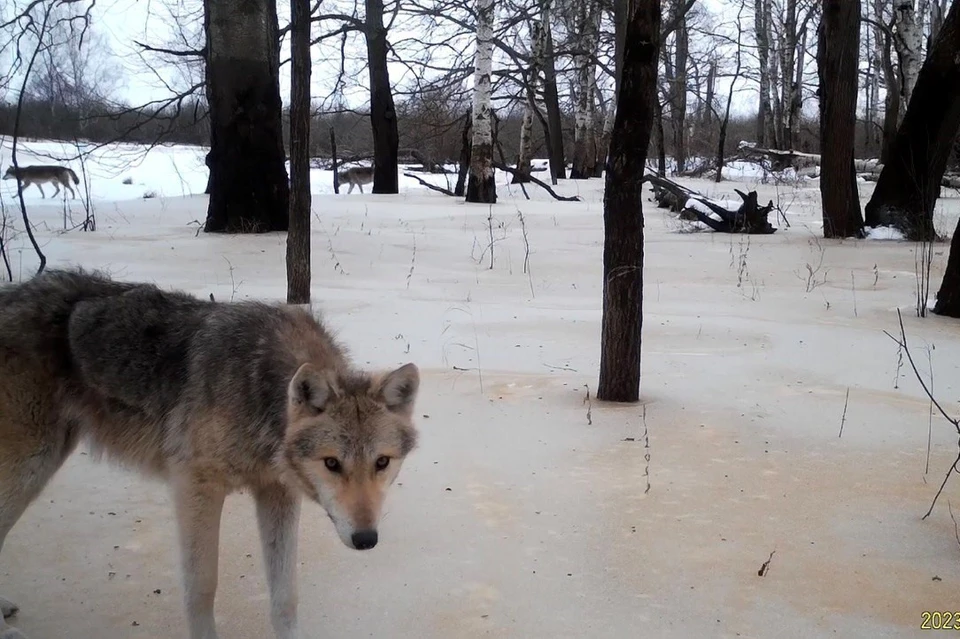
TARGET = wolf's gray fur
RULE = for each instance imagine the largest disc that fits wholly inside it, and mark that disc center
(38, 174)
(357, 176)
(209, 396)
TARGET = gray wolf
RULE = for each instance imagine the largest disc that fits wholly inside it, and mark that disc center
(210, 397)
(56, 175)
(356, 176)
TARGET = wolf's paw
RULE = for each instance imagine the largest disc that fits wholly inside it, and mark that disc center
(9, 632)
(8, 608)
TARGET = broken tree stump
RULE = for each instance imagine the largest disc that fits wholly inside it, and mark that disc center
(750, 218)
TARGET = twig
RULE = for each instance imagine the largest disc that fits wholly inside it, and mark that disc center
(902, 342)
(646, 450)
(586, 400)
(765, 566)
(843, 418)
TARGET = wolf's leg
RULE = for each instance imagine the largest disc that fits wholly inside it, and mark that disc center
(41, 190)
(199, 505)
(360, 186)
(57, 187)
(73, 195)
(278, 516)
(25, 469)
(351, 189)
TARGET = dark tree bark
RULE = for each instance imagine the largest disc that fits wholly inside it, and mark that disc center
(249, 191)
(333, 161)
(383, 114)
(298, 236)
(909, 184)
(838, 57)
(465, 151)
(948, 297)
(551, 99)
(622, 207)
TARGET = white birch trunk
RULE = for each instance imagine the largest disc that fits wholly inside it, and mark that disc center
(481, 186)
(908, 41)
(585, 139)
(538, 37)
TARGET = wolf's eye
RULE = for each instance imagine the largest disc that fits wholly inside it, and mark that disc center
(332, 464)
(382, 462)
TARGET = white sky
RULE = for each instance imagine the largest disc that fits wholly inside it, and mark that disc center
(147, 21)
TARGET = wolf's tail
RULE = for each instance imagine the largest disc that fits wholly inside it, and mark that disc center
(76, 180)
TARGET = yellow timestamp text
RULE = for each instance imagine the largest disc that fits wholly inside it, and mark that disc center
(937, 620)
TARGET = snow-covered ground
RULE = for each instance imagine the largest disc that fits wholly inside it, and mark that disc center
(530, 510)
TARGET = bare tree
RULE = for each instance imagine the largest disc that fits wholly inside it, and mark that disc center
(622, 320)
(538, 38)
(298, 236)
(838, 60)
(383, 113)
(762, 25)
(481, 184)
(249, 191)
(586, 27)
(909, 184)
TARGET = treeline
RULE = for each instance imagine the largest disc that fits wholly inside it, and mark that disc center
(431, 129)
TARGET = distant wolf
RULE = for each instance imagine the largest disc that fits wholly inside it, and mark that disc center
(357, 176)
(210, 397)
(56, 175)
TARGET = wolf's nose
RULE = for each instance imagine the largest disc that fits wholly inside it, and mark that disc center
(364, 540)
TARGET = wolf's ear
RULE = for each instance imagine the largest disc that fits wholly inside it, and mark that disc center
(399, 388)
(309, 390)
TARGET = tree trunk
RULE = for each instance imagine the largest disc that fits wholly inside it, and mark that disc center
(948, 297)
(481, 185)
(249, 192)
(678, 98)
(587, 24)
(788, 56)
(383, 115)
(551, 99)
(762, 36)
(909, 183)
(658, 135)
(538, 43)
(465, 153)
(333, 161)
(837, 62)
(622, 320)
(298, 237)
(907, 38)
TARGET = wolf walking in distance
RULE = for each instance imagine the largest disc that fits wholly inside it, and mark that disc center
(56, 175)
(357, 176)
(210, 397)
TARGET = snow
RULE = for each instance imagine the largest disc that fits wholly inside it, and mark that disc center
(884, 233)
(518, 516)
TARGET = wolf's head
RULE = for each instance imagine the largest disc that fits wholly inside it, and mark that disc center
(346, 440)
(9, 173)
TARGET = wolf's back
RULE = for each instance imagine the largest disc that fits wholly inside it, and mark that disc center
(34, 315)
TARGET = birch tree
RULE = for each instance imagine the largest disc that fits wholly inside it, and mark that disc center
(762, 21)
(538, 39)
(481, 185)
(908, 16)
(587, 27)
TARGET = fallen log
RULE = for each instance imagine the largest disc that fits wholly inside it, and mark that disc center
(750, 218)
